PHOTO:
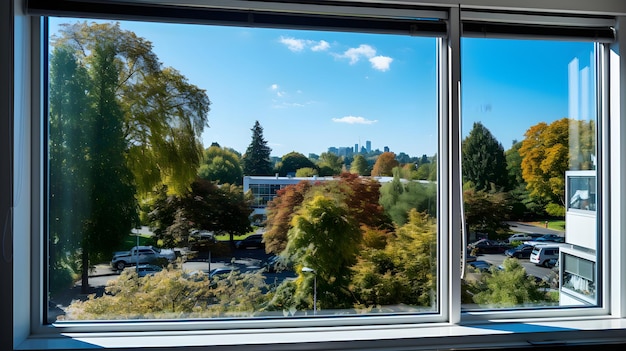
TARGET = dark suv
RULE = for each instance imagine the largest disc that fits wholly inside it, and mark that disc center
(252, 241)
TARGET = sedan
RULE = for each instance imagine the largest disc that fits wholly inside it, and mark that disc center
(480, 266)
(485, 246)
(521, 251)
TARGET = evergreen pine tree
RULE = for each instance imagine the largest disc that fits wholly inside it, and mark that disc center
(484, 163)
(256, 160)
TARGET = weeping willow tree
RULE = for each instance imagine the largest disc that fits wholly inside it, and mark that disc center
(120, 125)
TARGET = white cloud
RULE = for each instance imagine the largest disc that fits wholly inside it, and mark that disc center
(293, 44)
(354, 120)
(275, 88)
(355, 54)
(298, 45)
(322, 45)
(381, 63)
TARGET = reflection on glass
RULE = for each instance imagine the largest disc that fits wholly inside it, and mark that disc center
(234, 157)
(582, 193)
(579, 278)
(529, 118)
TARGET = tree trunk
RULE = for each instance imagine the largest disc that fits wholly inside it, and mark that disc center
(84, 289)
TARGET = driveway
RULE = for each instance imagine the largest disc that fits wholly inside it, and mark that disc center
(521, 227)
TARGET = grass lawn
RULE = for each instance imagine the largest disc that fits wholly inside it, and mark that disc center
(555, 224)
(131, 241)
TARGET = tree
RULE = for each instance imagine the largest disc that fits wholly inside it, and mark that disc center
(546, 155)
(324, 238)
(292, 162)
(385, 164)
(280, 211)
(205, 206)
(139, 126)
(514, 164)
(404, 271)
(88, 146)
(483, 160)
(398, 198)
(163, 114)
(329, 164)
(221, 165)
(306, 172)
(256, 160)
(69, 84)
(359, 165)
(510, 287)
(485, 212)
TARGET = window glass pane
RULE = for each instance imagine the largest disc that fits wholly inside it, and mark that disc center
(263, 172)
(529, 169)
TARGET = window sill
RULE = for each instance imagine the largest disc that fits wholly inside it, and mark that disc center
(440, 336)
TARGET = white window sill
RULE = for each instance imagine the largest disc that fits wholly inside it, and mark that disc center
(487, 335)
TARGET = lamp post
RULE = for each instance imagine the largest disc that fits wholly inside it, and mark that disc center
(311, 270)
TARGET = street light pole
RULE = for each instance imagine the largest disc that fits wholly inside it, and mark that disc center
(311, 270)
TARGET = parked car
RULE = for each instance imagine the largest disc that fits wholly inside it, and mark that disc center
(546, 239)
(203, 235)
(221, 272)
(480, 266)
(276, 263)
(521, 251)
(139, 255)
(147, 269)
(486, 246)
(523, 237)
(542, 254)
(252, 241)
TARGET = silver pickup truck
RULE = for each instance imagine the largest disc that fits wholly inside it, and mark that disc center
(140, 255)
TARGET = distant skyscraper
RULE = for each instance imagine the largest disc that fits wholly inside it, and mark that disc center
(356, 148)
(368, 146)
(386, 148)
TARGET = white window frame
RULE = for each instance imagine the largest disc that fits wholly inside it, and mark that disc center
(489, 329)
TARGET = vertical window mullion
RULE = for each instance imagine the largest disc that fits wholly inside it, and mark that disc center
(450, 149)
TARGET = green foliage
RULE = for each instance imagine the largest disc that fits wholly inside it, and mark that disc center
(483, 160)
(205, 206)
(306, 172)
(292, 162)
(325, 238)
(510, 287)
(221, 165)
(398, 198)
(163, 114)
(485, 211)
(555, 210)
(514, 164)
(404, 271)
(256, 160)
(175, 294)
(329, 164)
(359, 165)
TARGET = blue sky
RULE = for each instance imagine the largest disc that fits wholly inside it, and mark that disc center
(312, 90)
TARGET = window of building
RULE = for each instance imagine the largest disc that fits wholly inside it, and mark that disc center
(127, 98)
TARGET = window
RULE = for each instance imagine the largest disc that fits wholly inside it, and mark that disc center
(595, 247)
(359, 237)
(529, 117)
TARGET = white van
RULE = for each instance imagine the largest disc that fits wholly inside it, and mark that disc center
(542, 254)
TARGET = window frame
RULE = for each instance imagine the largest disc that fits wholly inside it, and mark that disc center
(609, 325)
